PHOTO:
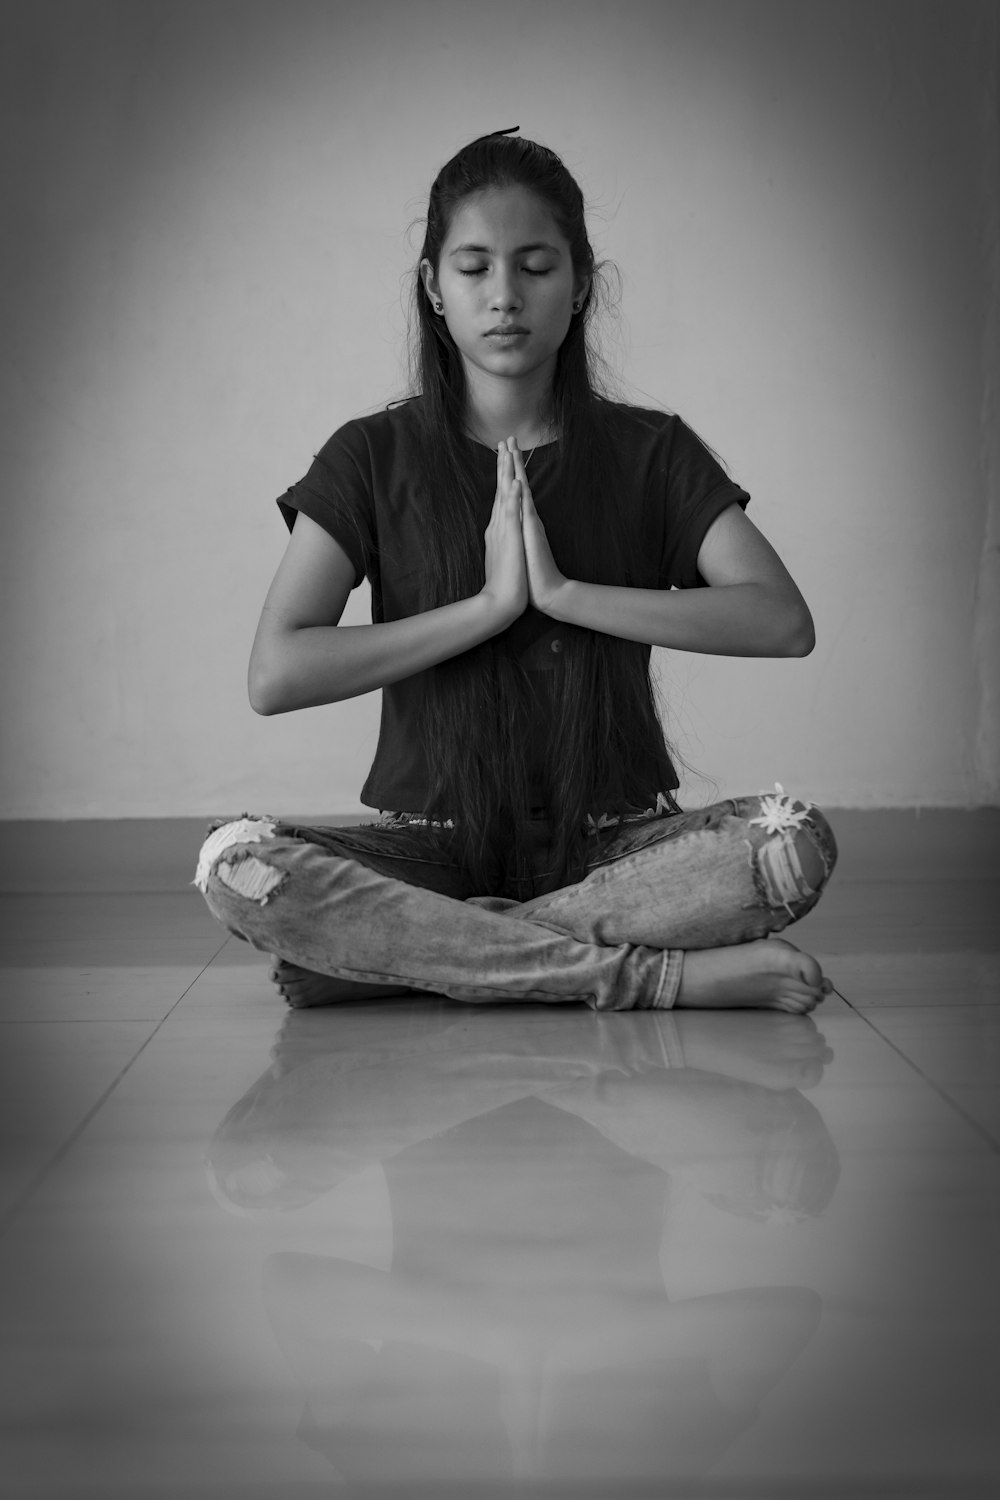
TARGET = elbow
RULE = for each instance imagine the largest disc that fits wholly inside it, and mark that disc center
(261, 702)
(800, 637)
(264, 691)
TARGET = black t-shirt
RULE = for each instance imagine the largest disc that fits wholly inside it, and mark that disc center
(361, 488)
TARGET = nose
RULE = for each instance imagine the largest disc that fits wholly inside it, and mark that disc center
(505, 293)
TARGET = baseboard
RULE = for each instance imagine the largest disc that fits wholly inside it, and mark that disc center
(159, 854)
(110, 854)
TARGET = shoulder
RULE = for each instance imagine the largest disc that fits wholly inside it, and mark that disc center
(664, 437)
(372, 439)
(357, 466)
(652, 442)
(638, 418)
(641, 427)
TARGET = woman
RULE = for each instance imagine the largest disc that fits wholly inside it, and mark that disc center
(527, 541)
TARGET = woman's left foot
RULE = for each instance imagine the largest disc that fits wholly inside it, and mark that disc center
(766, 974)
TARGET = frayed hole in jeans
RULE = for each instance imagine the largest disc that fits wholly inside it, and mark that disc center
(245, 830)
(779, 865)
(251, 877)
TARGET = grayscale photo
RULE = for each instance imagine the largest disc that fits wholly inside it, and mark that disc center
(500, 771)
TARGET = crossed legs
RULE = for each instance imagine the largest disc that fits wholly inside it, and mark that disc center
(703, 893)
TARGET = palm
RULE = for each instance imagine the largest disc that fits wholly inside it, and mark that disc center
(544, 577)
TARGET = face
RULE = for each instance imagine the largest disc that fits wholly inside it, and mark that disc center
(507, 283)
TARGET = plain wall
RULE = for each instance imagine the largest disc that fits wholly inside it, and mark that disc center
(205, 266)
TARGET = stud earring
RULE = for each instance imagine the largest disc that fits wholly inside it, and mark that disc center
(577, 306)
(439, 307)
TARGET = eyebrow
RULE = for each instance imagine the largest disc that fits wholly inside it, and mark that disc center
(521, 249)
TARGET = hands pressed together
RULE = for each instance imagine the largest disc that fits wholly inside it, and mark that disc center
(520, 568)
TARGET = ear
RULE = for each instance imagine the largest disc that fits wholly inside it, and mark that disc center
(581, 289)
(430, 281)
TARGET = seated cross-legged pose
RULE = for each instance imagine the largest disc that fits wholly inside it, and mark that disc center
(527, 540)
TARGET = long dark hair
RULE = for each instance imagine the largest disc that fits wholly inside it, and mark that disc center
(604, 747)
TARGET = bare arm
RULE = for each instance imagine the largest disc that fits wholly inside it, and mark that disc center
(302, 656)
(751, 606)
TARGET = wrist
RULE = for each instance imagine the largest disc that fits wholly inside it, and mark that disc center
(558, 601)
(491, 614)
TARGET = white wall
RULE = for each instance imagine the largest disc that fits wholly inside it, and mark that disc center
(204, 273)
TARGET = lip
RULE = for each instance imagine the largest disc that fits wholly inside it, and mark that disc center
(505, 331)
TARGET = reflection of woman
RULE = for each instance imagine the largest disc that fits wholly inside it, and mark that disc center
(524, 1328)
(527, 541)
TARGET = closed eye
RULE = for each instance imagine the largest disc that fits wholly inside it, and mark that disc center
(528, 270)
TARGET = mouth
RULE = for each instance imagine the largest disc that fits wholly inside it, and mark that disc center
(506, 331)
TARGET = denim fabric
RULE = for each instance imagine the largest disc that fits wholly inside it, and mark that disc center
(385, 905)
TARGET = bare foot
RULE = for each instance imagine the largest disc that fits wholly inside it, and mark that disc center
(768, 974)
(302, 988)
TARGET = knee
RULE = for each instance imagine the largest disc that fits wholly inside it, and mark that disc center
(797, 854)
(816, 848)
(228, 854)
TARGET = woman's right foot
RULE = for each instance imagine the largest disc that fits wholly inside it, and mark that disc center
(302, 989)
(768, 974)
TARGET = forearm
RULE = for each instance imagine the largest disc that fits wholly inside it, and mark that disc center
(311, 665)
(742, 619)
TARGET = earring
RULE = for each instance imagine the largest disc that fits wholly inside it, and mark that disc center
(439, 307)
(577, 306)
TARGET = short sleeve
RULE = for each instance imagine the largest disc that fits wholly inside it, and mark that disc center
(336, 493)
(697, 490)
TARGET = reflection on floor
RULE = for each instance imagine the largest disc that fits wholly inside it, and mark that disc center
(420, 1249)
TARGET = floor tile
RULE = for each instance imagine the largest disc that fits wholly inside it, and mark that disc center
(92, 993)
(951, 1044)
(981, 1103)
(51, 1076)
(85, 952)
(955, 1047)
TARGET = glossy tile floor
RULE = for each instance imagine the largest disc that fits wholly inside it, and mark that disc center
(420, 1249)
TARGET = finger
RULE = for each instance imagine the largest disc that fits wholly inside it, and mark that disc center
(517, 459)
(519, 469)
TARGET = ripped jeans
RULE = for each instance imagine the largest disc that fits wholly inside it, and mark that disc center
(383, 905)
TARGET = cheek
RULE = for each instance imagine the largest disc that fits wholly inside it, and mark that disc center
(560, 317)
(559, 300)
(462, 298)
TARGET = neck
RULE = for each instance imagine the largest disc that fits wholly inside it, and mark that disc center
(500, 408)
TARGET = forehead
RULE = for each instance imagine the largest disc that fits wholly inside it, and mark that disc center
(504, 219)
